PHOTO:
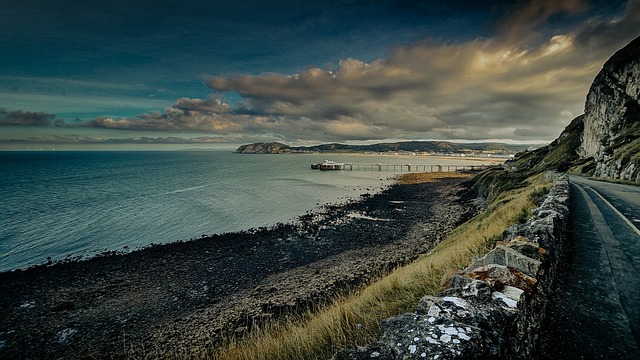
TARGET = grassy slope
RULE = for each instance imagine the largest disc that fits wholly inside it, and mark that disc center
(319, 335)
(561, 155)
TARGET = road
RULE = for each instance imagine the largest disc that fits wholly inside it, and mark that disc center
(594, 311)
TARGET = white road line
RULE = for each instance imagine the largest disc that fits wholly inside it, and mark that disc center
(631, 225)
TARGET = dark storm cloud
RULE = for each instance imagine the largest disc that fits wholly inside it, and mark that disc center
(603, 34)
(24, 118)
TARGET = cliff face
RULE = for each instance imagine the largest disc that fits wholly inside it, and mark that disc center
(612, 117)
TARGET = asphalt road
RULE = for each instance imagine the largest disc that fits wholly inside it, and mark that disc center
(594, 312)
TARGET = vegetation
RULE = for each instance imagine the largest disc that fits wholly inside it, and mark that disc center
(404, 146)
(561, 155)
(354, 320)
(417, 178)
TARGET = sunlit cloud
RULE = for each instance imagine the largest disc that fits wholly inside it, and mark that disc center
(521, 25)
(485, 88)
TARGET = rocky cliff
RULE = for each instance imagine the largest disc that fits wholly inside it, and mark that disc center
(605, 141)
(611, 133)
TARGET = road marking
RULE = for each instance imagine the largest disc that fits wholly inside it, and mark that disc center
(615, 255)
(631, 225)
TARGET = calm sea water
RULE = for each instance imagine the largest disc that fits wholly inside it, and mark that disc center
(59, 204)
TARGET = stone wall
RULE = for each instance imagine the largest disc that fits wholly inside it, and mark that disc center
(495, 307)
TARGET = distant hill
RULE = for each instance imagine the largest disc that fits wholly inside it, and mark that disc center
(404, 146)
(264, 148)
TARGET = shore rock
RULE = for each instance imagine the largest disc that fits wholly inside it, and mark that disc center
(186, 298)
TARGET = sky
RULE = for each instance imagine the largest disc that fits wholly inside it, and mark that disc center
(165, 74)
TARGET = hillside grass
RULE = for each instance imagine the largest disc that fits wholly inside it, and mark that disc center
(418, 178)
(355, 319)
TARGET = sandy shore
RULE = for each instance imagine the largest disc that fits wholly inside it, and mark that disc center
(442, 159)
(172, 299)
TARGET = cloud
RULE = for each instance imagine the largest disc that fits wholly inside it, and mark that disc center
(184, 115)
(522, 84)
(24, 118)
(74, 139)
(603, 35)
(521, 24)
(480, 89)
(212, 105)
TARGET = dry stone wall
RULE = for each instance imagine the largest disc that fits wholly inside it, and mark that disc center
(494, 308)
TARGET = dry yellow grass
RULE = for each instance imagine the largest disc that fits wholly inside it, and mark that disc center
(417, 178)
(355, 320)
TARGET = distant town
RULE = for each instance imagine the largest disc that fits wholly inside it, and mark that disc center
(408, 148)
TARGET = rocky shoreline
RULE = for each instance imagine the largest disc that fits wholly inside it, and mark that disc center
(184, 298)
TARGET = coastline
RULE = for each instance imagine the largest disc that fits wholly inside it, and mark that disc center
(199, 293)
(404, 156)
(214, 199)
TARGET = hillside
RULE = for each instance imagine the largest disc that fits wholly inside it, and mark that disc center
(604, 142)
(264, 148)
(404, 146)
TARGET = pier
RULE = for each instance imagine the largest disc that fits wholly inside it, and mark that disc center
(331, 165)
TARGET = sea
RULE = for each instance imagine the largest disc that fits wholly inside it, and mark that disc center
(62, 204)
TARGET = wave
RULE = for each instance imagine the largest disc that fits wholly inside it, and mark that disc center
(183, 190)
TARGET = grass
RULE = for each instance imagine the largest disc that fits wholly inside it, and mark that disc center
(417, 178)
(355, 320)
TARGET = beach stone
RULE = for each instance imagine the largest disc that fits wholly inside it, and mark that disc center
(167, 297)
(63, 306)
